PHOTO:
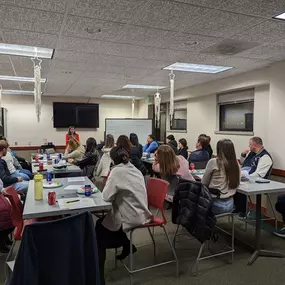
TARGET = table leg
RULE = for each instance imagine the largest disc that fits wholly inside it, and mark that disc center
(258, 252)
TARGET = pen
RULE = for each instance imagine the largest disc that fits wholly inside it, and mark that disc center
(72, 201)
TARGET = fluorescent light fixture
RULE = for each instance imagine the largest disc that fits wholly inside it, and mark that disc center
(119, 97)
(137, 86)
(10, 92)
(21, 79)
(191, 67)
(26, 51)
(280, 17)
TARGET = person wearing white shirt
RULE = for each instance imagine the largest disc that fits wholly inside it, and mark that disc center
(126, 190)
(256, 162)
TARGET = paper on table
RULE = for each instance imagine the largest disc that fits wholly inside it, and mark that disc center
(76, 179)
(75, 203)
(73, 187)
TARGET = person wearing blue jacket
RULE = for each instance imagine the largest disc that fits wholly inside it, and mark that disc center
(151, 145)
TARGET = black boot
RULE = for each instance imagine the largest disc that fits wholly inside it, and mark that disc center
(126, 252)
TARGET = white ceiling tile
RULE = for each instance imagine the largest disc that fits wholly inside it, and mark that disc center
(266, 52)
(220, 23)
(266, 32)
(29, 38)
(96, 59)
(151, 64)
(205, 3)
(110, 10)
(166, 15)
(78, 89)
(263, 8)
(188, 42)
(28, 19)
(63, 76)
(56, 88)
(80, 45)
(77, 27)
(50, 5)
(125, 50)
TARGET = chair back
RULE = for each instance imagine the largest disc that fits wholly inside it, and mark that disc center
(17, 211)
(200, 164)
(156, 192)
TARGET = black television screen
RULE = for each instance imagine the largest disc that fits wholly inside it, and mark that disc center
(75, 114)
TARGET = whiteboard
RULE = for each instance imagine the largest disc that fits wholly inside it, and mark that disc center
(117, 127)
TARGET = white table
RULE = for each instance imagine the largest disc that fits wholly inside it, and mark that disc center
(253, 188)
(49, 168)
(148, 160)
(39, 209)
(43, 157)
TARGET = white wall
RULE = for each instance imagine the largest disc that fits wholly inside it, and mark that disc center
(23, 128)
(202, 108)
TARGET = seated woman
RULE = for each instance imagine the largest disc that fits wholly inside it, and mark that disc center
(183, 148)
(125, 189)
(74, 151)
(200, 154)
(223, 173)
(90, 160)
(280, 208)
(168, 164)
(136, 154)
(105, 162)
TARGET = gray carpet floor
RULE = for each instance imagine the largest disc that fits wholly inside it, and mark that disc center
(213, 271)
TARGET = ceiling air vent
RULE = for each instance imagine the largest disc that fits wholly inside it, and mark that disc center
(229, 47)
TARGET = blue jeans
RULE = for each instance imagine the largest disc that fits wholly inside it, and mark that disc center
(17, 173)
(21, 186)
(27, 172)
(221, 206)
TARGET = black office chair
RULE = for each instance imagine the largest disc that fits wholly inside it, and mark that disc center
(200, 164)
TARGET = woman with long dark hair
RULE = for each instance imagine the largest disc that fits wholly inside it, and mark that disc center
(183, 148)
(124, 142)
(125, 189)
(136, 154)
(71, 134)
(223, 173)
(90, 160)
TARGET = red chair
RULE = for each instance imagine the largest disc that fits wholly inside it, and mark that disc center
(17, 212)
(156, 192)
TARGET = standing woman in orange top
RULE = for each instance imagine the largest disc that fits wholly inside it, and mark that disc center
(71, 135)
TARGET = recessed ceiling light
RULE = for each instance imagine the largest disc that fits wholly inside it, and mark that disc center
(119, 97)
(8, 92)
(26, 51)
(191, 67)
(137, 86)
(280, 17)
(21, 79)
(66, 72)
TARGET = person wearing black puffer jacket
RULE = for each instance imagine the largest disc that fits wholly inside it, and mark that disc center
(136, 154)
(192, 209)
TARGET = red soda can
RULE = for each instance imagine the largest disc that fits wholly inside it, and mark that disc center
(41, 166)
(37, 158)
(51, 198)
(192, 166)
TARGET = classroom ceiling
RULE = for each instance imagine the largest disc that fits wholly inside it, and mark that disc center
(101, 45)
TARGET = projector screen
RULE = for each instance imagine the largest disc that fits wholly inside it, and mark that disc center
(117, 127)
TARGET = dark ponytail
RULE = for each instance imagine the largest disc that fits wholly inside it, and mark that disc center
(119, 155)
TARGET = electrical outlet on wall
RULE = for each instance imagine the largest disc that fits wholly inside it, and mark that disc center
(29, 143)
(16, 143)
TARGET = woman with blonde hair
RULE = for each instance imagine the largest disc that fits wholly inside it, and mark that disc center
(74, 151)
(168, 164)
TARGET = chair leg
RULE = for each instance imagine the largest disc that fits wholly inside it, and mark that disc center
(131, 258)
(273, 211)
(153, 241)
(156, 213)
(116, 261)
(173, 250)
(174, 236)
(233, 239)
(198, 258)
